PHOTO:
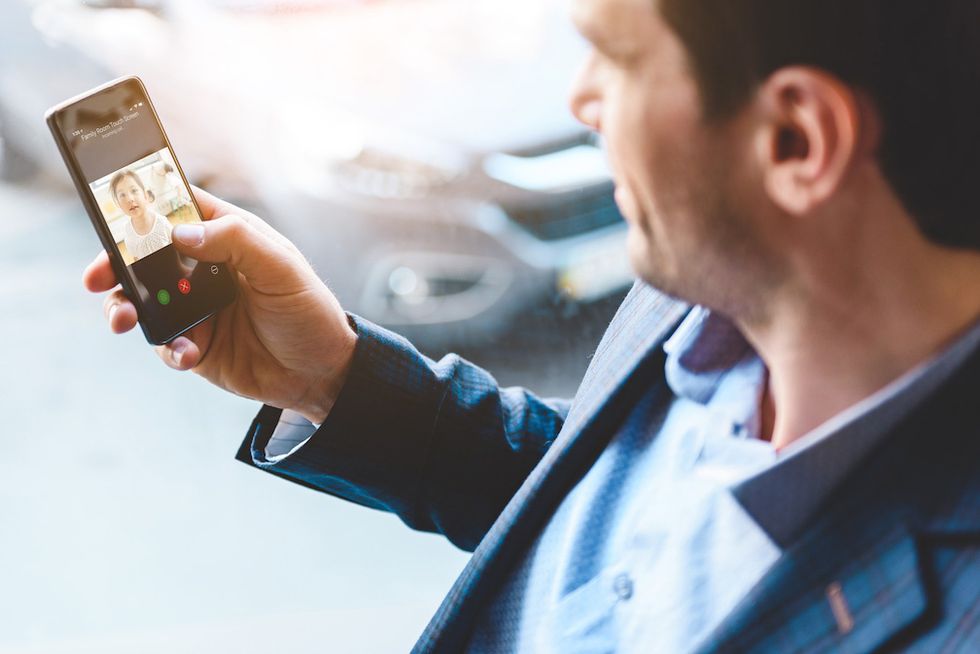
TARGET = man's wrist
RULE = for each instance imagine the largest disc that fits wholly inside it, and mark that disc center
(321, 395)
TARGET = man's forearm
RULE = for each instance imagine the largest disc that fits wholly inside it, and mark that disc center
(438, 443)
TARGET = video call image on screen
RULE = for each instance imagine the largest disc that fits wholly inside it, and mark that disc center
(139, 195)
(142, 202)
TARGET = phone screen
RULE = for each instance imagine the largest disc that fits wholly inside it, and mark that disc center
(136, 193)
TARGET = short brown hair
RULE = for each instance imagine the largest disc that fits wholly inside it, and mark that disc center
(919, 60)
(119, 177)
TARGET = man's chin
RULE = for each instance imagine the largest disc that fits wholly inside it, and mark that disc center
(641, 257)
(625, 204)
(650, 265)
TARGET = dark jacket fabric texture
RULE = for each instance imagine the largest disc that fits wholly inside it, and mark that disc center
(891, 562)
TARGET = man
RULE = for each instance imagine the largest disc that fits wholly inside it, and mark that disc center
(793, 464)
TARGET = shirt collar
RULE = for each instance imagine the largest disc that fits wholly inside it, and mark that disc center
(784, 497)
(701, 351)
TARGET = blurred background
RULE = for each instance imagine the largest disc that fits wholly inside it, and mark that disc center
(421, 154)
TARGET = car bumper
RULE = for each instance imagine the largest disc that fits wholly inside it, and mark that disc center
(448, 270)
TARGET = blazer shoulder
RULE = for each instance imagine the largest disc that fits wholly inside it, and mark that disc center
(644, 320)
(645, 309)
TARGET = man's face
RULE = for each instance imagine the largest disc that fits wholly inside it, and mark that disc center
(130, 197)
(673, 170)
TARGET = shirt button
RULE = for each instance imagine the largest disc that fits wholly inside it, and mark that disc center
(623, 586)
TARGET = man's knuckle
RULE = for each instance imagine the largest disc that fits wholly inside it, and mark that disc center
(238, 225)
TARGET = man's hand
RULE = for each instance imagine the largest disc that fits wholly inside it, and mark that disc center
(285, 341)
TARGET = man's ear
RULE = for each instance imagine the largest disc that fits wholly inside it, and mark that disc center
(809, 136)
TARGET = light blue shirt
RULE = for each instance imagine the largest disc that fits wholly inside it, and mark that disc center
(686, 509)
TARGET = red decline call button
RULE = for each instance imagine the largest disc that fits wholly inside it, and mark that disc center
(184, 286)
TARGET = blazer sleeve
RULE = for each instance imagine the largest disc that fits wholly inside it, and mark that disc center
(439, 444)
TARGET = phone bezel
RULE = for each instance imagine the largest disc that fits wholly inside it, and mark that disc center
(122, 271)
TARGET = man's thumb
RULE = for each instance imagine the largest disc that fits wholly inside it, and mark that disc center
(229, 239)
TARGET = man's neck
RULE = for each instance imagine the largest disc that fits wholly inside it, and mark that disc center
(831, 343)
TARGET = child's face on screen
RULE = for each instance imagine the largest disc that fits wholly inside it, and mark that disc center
(131, 197)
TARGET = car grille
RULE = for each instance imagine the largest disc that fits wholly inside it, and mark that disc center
(568, 215)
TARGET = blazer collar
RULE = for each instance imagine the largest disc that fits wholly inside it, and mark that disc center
(645, 319)
(784, 498)
(855, 578)
(813, 602)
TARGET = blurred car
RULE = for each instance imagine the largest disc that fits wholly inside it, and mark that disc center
(420, 151)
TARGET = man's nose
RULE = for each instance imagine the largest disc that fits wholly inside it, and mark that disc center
(588, 113)
(584, 100)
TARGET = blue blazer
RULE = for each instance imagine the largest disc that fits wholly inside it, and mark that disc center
(897, 545)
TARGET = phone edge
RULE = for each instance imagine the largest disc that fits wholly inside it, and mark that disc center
(93, 212)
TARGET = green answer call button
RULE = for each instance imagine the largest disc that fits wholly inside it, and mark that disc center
(163, 297)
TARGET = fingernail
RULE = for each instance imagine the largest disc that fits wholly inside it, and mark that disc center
(189, 234)
(177, 351)
(112, 312)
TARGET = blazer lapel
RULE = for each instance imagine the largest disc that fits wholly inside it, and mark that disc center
(643, 322)
(854, 602)
(861, 576)
(627, 362)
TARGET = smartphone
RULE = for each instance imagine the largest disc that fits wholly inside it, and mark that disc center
(135, 192)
